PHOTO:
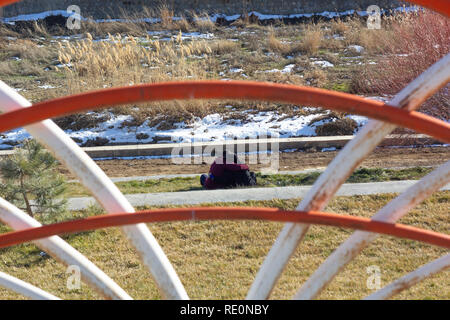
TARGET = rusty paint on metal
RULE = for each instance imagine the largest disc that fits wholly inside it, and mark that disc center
(103, 189)
(412, 278)
(216, 89)
(229, 213)
(336, 173)
(393, 211)
(24, 288)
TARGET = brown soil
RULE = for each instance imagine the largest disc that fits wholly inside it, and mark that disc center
(381, 157)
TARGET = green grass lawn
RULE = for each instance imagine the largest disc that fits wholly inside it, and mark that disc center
(219, 260)
(275, 180)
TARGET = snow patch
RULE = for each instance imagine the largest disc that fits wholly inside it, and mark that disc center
(323, 63)
(356, 48)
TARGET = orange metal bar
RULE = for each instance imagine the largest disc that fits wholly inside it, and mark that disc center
(224, 213)
(6, 2)
(248, 90)
(442, 6)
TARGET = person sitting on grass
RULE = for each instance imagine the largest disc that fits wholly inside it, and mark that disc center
(227, 172)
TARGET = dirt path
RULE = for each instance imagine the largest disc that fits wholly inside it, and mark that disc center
(381, 157)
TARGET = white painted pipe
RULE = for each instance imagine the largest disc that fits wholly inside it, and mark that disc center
(103, 189)
(411, 279)
(63, 252)
(24, 288)
(339, 170)
(392, 212)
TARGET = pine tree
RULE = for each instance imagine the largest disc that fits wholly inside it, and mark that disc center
(29, 180)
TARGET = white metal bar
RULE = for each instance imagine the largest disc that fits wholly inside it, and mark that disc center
(103, 189)
(339, 170)
(63, 252)
(411, 279)
(24, 288)
(393, 211)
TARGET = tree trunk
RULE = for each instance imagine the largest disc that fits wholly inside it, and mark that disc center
(25, 198)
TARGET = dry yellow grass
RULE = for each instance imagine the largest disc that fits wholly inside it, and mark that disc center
(316, 77)
(134, 62)
(133, 57)
(182, 24)
(276, 45)
(312, 39)
(219, 260)
(221, 47)
(166, 16)
(203, 22)
(338, 27)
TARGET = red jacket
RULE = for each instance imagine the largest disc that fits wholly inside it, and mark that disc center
(217, 170)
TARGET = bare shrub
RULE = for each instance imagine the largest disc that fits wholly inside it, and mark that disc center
(26, 49)
(418, 41)
(339, 27)
(345, 126)
(312, 39)
(27, 68)
(7, 32)
(166, 16)
(224, 46)
(316, 77)
(203, 22)
(276, 45)
(89, 66)
(374, 41)
(6, 68)
(182, 24)
(37, 29)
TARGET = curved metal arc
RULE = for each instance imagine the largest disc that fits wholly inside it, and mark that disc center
(104, 190)
(441, 6)
(411, 279)
(24, 288)
(63, 252)
(393, 211)
(220, 213)
(340, 168)
(248, 90)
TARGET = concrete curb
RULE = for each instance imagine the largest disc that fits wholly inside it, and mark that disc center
(248, 145)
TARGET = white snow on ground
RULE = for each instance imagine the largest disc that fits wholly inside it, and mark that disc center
(47, 86)
(184, 35)
(236, 70)
(360, 120)
(213, 127)
(327, 14)
(356, 48)
(286, 69)
(334, 36)
(323, 63)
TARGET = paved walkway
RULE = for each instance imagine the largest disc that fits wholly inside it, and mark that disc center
(234, 195)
